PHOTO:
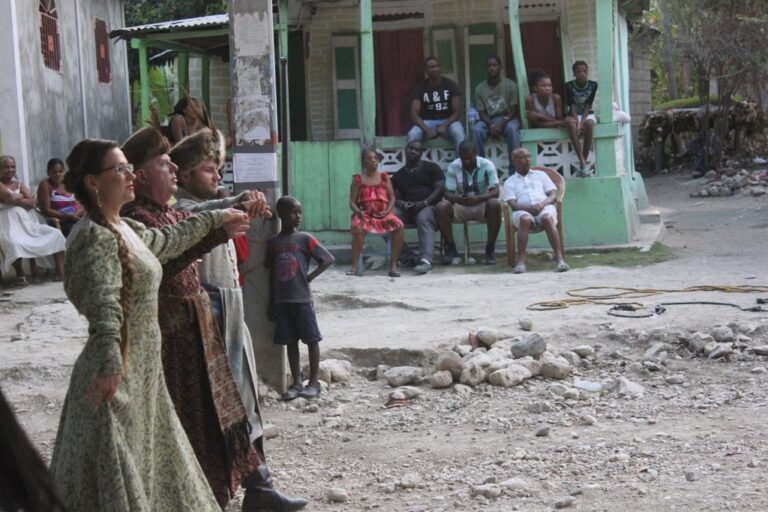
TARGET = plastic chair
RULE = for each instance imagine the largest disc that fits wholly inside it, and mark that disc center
(510, 230)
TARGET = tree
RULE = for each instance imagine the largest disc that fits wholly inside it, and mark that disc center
(724, 41)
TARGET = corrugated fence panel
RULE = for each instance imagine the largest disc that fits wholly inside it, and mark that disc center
(343, 163)
(311, 184)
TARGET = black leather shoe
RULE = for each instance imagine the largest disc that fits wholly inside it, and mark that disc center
(260, 500)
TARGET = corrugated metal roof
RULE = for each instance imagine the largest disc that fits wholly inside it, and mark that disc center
(203, 22)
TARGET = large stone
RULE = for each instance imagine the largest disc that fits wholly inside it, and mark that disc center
(487, 337)
(441, 379)
(462, 390)
(490, 491)
(449, 361)
(336, 495)
(510, 376)
(480, 359)
(588, 386)
(525, 323)
(698, 341)
(411, 480)
(409, 392)
(532, 345)
(760, 350)
(555, 367)
(584, 351)
(514, 484)
(625, 388)
(402, 375)
(655, 350)
(572, 358)
(757, 190)
(723, 350)
(340, 370)
(472, 375)
(722, 334)
(532, 364)
(499, 364)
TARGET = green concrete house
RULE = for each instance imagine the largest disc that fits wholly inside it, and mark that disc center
(351, 65)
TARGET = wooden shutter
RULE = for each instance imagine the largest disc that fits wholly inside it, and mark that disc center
(481, 42)
(346, 87)
(102, 52)
(444, 48)
(49, 35)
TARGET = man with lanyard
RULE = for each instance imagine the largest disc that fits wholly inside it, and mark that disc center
(496, 101)
(418, 188)
(471, 193)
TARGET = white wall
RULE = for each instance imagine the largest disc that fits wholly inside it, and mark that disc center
(58, 107)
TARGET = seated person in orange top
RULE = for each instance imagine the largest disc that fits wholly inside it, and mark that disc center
(372, 199)
(58, 206)
(544, 109)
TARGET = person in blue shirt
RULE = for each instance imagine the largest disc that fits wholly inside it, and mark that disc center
(471, 193)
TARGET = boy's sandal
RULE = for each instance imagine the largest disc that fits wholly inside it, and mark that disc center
(519, 269)
(563, 267)
(392, 273)
(354, 273)
(310, 392)
(293, 392)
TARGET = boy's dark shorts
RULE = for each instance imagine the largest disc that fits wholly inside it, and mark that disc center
(296, 321)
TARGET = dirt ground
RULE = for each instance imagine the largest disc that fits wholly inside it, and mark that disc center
(696, 440)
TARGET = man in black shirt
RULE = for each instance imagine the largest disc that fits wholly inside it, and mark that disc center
(436, 107)
(418, 187)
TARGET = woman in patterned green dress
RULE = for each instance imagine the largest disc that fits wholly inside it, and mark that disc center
(120, 445)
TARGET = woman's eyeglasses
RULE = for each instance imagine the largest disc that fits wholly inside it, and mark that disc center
(119, 168)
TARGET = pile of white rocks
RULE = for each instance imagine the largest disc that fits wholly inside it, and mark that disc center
(501, 362)
(730, 182)
(722, 342)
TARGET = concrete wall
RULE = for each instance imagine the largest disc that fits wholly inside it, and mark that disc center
(639, 83)
(219, 91)
(59, 108)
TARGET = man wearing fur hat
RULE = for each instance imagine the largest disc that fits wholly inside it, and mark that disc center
(199, 158)
(219, 425)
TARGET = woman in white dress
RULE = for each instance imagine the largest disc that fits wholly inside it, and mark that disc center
(21, 233)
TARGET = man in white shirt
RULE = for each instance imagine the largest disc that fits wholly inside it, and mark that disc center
(532, 195)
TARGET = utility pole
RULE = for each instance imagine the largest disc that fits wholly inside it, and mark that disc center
(254, 155)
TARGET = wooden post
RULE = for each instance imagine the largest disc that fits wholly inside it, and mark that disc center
(254, 115)
(205, 79)
(605, 62)
(605, 148)
(367, 74)
(143, 79)
(182, 69)
(516, 41)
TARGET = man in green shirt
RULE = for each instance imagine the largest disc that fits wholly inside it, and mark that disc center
(496, 101)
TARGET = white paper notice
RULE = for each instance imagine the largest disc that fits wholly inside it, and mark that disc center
(255, 167)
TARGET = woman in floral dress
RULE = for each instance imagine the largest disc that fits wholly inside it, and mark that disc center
(372, 199)
(120, 445)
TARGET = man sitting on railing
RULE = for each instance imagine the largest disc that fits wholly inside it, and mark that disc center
(471, 193)
(436, 107)
(496, 103)
(532, 195)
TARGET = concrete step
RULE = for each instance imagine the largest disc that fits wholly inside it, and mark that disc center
(650, 216)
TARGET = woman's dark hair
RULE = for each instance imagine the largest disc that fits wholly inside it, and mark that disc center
(196, 109)
(535, 76)
(366, 150)
(25, 483)
(53, 162)
(87, 158)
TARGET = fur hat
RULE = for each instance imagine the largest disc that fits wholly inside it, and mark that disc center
(146, 143)
(199, 147)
